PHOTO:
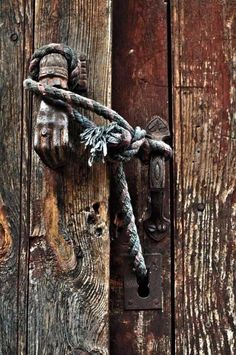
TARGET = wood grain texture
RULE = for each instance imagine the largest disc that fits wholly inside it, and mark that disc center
(204, 39)
(14, 46)
(69, 245)
(140, 87)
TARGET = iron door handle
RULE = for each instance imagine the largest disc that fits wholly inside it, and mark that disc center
(157, 224)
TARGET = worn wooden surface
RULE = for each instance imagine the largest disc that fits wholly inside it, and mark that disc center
(204, 46)
(54, 226)
(15, 33)
(139, 93)
(10, 185)
(69, 255)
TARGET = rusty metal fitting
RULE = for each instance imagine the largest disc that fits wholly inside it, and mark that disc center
(53, 70)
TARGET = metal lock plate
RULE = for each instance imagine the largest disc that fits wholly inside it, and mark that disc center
(132, 298)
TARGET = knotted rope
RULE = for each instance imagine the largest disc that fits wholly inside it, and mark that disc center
(118, 142)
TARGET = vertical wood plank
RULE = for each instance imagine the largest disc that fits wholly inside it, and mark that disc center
(26, 128)
(16, 39)
(10, 184)
(69, 254)
(204, 54)
(140, 91)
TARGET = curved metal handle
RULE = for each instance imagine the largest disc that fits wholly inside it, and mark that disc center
(157, 224)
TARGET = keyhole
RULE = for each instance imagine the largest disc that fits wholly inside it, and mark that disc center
(143, 288)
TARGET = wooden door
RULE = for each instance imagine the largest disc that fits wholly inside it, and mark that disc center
(61, 281)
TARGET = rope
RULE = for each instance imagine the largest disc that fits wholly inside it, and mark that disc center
(118, 142)
(131, 232)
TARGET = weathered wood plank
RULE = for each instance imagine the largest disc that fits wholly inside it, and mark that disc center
(69, 254)
(23, 273)
(204, 48)
(140, 91)
(16, 35)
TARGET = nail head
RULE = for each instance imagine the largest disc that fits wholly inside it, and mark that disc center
(14, 37)
(200, 207)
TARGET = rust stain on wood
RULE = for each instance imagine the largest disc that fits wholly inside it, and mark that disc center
(5, 233)
(63, 250)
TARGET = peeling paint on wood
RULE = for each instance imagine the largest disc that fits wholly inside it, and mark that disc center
(204, 48)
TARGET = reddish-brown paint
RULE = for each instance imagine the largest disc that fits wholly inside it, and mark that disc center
(140, 92)
(204, 52)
